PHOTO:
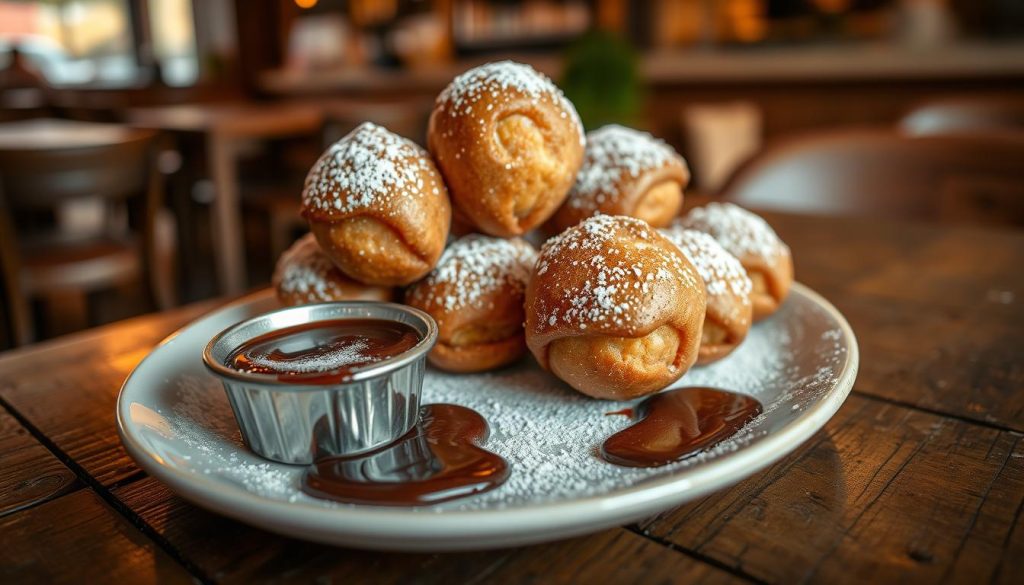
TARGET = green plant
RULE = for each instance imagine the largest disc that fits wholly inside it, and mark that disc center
(602, 79)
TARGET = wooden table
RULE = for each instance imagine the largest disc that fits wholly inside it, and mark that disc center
(223, 127)
(918, 478)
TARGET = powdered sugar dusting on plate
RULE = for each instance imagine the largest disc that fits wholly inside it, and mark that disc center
(739, 231)
(614, 152)
(366, 168)
(473, 267)
(548, 433)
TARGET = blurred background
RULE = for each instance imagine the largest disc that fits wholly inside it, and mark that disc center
(152, 152)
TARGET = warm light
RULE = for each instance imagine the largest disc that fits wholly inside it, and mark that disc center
(747, 20)
(306, 3)
(832, 6)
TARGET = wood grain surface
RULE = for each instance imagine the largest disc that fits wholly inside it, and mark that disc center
(256, 555)
(66, 389)
(918, 478)
(885, 493)
(79, 539)
(30, 474)
(936, 309)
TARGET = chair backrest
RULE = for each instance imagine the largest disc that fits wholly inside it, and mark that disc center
(965, 115)
(44, 178)
(972, 179)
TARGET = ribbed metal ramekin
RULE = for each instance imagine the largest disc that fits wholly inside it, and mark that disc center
(295, 423)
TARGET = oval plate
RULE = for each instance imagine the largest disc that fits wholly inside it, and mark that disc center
(175, 421)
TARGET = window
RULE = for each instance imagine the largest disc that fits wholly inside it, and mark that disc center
(72, 42)
(77, 42)
(174, 40)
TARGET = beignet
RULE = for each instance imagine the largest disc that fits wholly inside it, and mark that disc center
(614, 309)
(728, 287)
(304, 274)
(378, 207)
(625, 172)
(476, 296)
(747, 236)
(508, 144)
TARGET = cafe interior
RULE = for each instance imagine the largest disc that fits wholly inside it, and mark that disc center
(153, 152)
(512, 291)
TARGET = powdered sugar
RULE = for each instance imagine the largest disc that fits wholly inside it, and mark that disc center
(722, 272)
(497, 81)
(739, 231)
(548, 433)
(304, 271)
(339, 355)
(614, 152)
(618, 282)
(365, 169)
(201, 420)
(473, 267)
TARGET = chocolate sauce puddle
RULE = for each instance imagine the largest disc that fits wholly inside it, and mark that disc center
(676, 424)
(439, 460)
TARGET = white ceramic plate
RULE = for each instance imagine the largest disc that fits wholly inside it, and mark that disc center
(175, 421)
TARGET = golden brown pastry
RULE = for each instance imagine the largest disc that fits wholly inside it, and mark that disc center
(625, 172)
(508, 144)
(614, 309)
(747, 236)
(304, 274)
(476, 296)
(378, 207)
(729, 312)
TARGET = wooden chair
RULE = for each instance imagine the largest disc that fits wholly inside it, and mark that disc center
(40, 259)
(993, 114)
(24, 92)
(967, 179)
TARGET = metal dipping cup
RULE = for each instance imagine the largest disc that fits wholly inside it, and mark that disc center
(291, 422)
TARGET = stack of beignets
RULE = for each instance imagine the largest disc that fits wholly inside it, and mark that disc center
(747, 236)
(729, 311)
(378, 207)
(304, 274)
(508, 144)
(614, 309)
(611, 305)
(625, 172)
(476, 296)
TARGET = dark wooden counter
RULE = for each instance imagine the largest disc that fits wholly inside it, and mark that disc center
(865, 62)
(794, 89)
(918, 478)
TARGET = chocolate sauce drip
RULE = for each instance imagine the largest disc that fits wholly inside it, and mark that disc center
(323, 352)
(439, 460)
(678, 423)
(624, 412)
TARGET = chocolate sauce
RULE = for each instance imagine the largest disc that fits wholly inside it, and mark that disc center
(323, 352)
(439, 460)
(624, 412)
(678, 423)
